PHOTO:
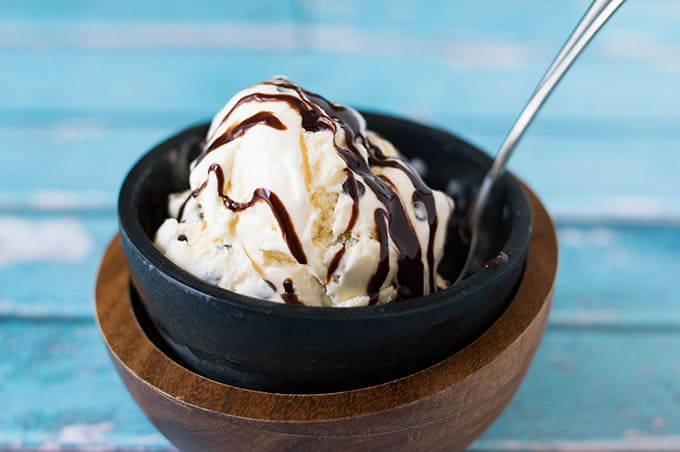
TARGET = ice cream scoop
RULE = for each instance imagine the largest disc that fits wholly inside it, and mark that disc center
(293, 200)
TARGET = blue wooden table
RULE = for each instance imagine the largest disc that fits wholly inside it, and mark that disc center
(86, 87)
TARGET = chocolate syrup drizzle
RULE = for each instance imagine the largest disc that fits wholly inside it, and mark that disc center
(270, 284)
(393, 221)
(259, 194)
(378, 278)
(315, 113)
(355, 190)
(266, 118)
(334, 263)
(422, 193)
(289, 296)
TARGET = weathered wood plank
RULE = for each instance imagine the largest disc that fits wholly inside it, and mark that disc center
(86, 160)
(89, 85)
(611, 277)
(593, 385)
(58, 384)
(623, 270)
(171, 80)
(113, 11)
(83, 164)
(48, 265)
(471, 62)
(58, 387)
(521, 18)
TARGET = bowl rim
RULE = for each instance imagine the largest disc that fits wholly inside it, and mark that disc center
(517, 332)
(132, 231)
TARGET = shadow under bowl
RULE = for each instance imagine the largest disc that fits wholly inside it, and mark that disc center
(256, 344)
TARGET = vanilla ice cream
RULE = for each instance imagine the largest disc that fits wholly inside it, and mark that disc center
(292, 200)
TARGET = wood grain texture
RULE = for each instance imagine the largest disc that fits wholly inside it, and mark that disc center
(614, 313)
(136, 57)
(612, 348)
(123, 76)
(639, 185)
(585, 384)
(612, 275)
(443, 407)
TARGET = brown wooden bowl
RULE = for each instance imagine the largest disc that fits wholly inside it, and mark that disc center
(443, 407)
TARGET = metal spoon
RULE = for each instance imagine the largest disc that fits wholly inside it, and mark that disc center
(596, 16)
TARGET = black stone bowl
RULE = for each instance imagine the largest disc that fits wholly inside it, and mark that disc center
(274, 347)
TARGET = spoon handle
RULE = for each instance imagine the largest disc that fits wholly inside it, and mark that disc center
(588, 18)
(596, 16)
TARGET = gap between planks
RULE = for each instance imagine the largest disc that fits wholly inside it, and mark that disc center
(602, 320)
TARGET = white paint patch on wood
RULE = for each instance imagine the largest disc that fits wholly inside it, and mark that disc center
(615, 319)
(55, 200)
(152, 441)
(642, 48)
(499, 54)
(50, 200)
(74, 131)
(58, 240)
(579, 237)
(631, 209)
(45, 311)
(585, 317)
(148, 35)
(90, 436)
(630, 442)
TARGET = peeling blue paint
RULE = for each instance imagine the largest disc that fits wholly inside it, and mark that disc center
(603, 155)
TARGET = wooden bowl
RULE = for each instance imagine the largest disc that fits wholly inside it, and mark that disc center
(444, 407)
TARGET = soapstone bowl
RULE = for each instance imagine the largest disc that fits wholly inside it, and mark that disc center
(254, 344)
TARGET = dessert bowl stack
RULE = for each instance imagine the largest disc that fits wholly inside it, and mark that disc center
(216, 370)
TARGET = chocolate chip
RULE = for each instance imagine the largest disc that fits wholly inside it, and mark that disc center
(182, 238)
